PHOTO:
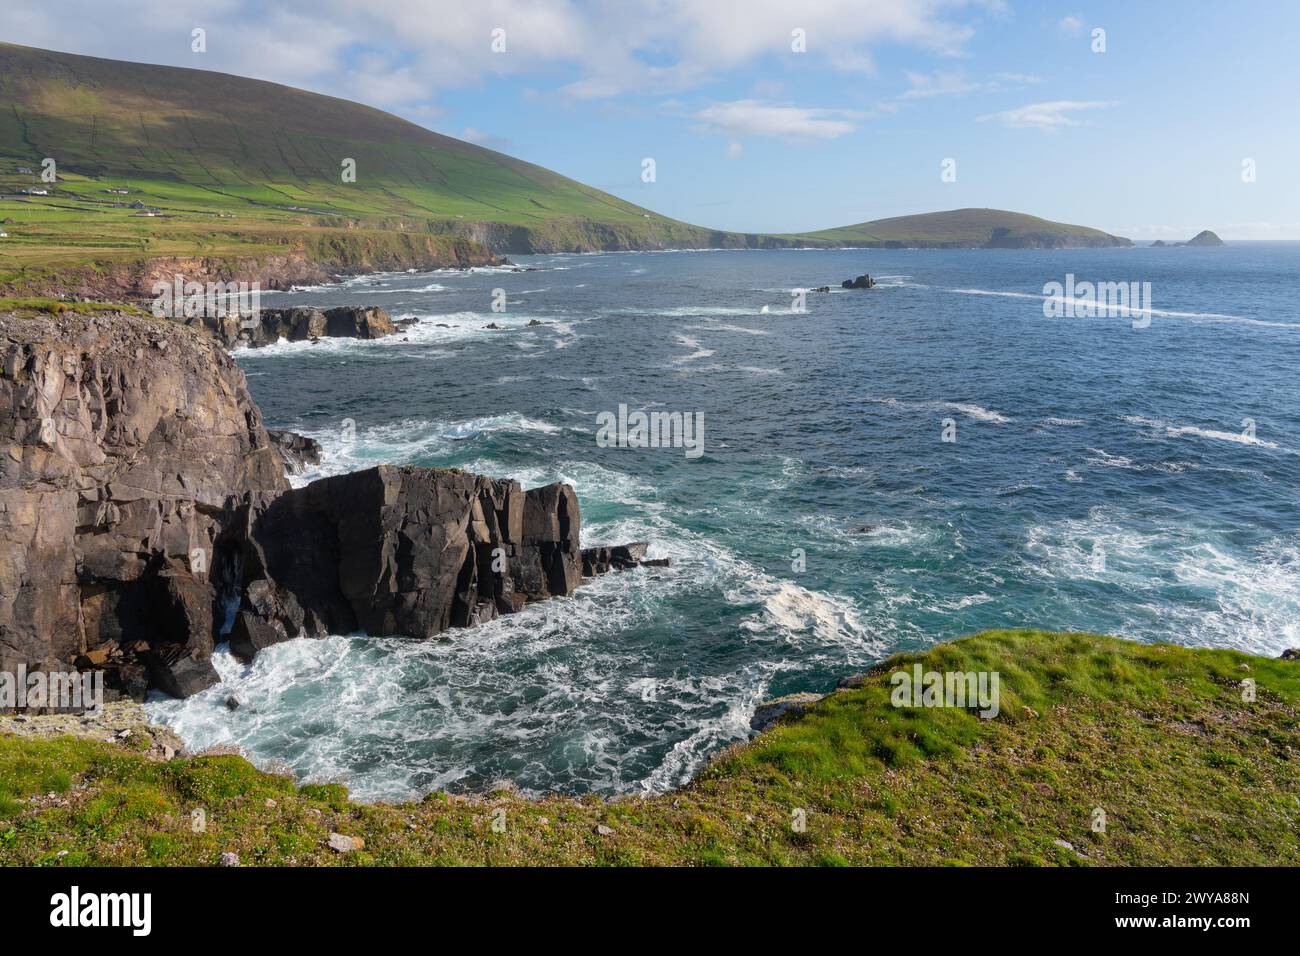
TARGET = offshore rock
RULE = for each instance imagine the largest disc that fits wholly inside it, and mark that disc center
(298, 451)
(619, 557)
(407, 551)
(299, 324)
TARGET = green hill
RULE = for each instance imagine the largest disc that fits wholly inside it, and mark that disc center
(162, 169)
(967, 228)
(227, 166)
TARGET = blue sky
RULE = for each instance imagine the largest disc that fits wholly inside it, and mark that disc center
(1146, 139)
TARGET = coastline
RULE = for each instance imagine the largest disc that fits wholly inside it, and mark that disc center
(1087, 722)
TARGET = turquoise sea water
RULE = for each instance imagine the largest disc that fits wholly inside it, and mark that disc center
(1141, 482)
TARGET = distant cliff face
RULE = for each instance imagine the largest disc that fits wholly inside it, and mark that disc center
(342, 253)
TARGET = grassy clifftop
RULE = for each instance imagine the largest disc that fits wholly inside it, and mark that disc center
(1157, 736)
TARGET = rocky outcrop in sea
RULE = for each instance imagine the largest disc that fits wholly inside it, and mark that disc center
(145, 515)
(300, 324)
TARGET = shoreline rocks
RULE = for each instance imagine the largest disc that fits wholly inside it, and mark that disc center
(298, 451)
(769, 712)
(299, 324)
(401, 550)
(861, 282)
(145, 515)
(121, 722)
(127, 444)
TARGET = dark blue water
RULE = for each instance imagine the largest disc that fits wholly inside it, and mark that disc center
(1141, 482)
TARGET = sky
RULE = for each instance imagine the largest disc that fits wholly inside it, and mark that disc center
(766, 116)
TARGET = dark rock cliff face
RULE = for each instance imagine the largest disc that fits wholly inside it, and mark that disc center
(403, 550)
(298, 325)
(298, 451)
(128, 445)
(145, 516)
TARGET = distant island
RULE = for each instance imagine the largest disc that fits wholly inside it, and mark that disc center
(966, 229)
(234, 177)
(1202, 238)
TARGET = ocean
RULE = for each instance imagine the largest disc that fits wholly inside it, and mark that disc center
(1065, 473)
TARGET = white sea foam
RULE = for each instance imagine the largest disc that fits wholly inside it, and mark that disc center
(433, 713)
(1123, 311)
(390, 290)
(1104, 459)
(743, 369)
(1183, 431)
(724, 327)
(344, 451)
(428, 329)
(976, 412)
(697, 311)
(700, 352)
(1247, 600)
(969, 409)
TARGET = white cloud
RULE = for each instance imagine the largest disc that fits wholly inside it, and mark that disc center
(1071, 24)
(1050, 115)
(924, 85)
(430, 46)
(755, 118)
(940, 84)
(1020, 79)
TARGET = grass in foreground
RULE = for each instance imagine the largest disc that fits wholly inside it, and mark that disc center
(59, 306)
(1157, 736)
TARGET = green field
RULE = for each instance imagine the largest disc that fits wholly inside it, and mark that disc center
(1158, 737)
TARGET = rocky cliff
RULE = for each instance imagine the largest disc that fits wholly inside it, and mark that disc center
(402, 550)
(145, 516)
(128, 443)
(299, 325)
(320, 258)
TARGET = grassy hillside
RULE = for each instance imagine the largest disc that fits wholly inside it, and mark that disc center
(975, 228)
(1157, 736)
(157, 161)
(239, 167)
